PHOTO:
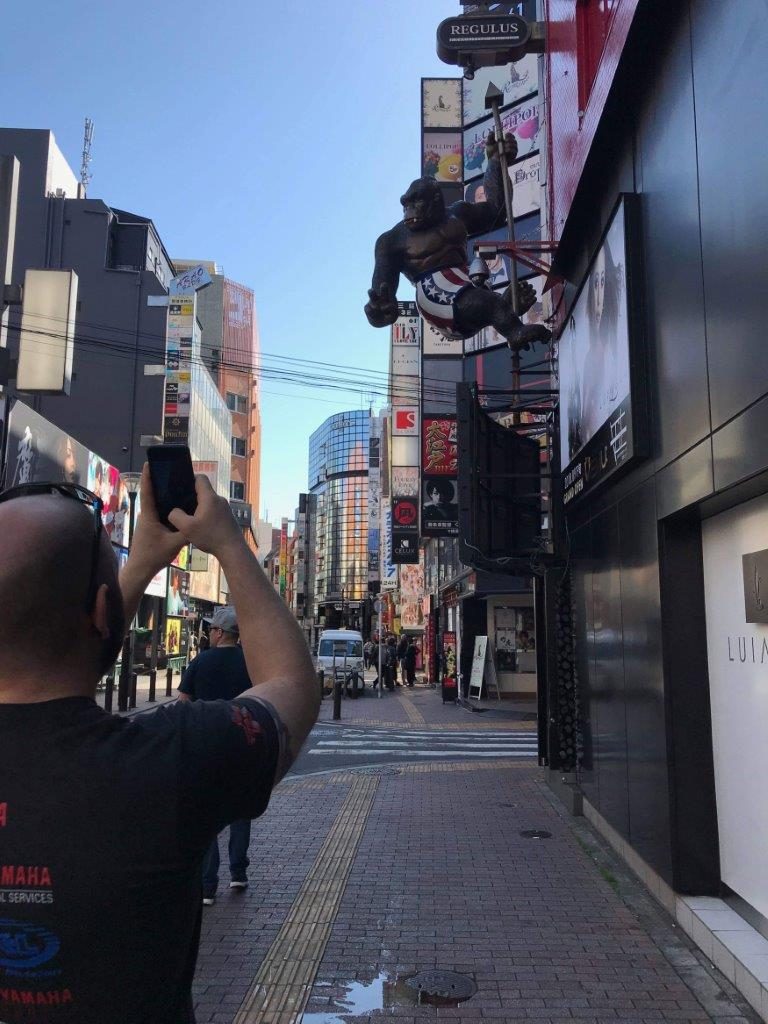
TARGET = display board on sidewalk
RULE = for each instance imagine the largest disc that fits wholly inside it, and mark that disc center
(481, 656)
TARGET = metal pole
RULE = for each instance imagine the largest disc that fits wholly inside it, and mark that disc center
(507, 185)
(381, 641)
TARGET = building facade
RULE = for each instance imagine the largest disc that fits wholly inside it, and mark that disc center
(230, 351)
(663, 411)
(338, 482)
(121, 265)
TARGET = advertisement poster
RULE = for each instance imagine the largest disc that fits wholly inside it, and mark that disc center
(522, 121)
(388, 568)
(283, 564)
(38, 450)
(406, 330)
(526, 188)
(412, 595)
(178, 592)
(105, 481)
(449, 655)
(439, 447)
(515, 81)
(173, 637)
(158, 585)
(405, 481)
(405, 421)
(436, 344)
(441, 156)
(439, 507)
(405, 547)
(405, 513)
(596, 429)
(441, 102)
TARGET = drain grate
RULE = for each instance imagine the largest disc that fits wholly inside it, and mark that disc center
(442, 988)
(376, 771)
(535, 833)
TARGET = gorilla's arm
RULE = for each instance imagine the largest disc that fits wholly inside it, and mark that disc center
(388, 260)
(381, 308)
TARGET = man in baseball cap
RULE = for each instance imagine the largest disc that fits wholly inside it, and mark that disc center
(220, 673)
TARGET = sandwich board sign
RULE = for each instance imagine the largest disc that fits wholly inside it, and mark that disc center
(482, 654)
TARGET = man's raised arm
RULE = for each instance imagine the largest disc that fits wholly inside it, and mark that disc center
(276, 653)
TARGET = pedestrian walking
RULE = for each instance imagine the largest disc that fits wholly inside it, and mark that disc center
(116, 814)
(367, 652)
(411, 655)
(220, 673)
(389, 663)
(402, 647)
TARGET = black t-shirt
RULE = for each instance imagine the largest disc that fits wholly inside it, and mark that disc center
(217, 674)
(104, 822)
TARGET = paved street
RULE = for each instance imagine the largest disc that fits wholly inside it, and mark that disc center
(440, 859)
(335, 747)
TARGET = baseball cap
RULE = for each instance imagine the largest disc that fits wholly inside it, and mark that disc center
(226, 619)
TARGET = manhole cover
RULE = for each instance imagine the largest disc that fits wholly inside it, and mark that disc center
(442, 988)
(535, 833)
(377, 771)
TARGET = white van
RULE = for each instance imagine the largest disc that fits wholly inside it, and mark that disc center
(341, 644)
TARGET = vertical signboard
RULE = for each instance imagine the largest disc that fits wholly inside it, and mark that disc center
(178, 368)
(405, 367)
(283, 555)
(374, 500)
(439, 468)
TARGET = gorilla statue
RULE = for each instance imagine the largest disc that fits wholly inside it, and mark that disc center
(429, 246)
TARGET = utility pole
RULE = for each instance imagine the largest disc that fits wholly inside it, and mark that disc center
(85, 174)
(494, 97)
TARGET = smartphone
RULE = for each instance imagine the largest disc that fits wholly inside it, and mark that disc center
(173, 480)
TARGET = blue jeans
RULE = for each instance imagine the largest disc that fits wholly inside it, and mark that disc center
(239, 838)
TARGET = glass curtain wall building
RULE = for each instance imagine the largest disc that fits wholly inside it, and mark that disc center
(338, 477)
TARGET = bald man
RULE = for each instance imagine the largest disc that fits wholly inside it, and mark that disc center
(104, 821)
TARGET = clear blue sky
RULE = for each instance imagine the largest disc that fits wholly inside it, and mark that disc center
(275, 142)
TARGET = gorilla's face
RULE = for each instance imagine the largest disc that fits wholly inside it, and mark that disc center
(423, 205)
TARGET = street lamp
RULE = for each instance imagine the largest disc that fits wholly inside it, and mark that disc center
(131, 482)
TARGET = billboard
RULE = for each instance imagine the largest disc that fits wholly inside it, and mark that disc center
(441, 157)
(514, 80)
(439, 507)
(439, 456)
(39, 451)
(436, 343)
(388, 568)
(526, 187)
(440, 102)
(178, 592)
(523, 121)
(602, 398)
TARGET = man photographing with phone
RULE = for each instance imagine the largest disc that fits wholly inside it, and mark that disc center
(105, 820)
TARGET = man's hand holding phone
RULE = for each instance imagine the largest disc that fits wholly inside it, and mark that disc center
(213, 527)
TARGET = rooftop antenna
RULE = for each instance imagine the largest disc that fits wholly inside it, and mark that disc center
(85, 174)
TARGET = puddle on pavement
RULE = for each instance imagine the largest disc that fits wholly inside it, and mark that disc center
(385, 993)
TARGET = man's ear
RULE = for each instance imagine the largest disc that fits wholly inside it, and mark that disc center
(100, 614)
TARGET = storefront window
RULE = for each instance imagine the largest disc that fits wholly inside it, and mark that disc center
(515, 639)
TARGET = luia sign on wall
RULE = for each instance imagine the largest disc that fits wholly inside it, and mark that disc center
(736, 586)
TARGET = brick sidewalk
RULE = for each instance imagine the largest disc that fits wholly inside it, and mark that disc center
(359, 879)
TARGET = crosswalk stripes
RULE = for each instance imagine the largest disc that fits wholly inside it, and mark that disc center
(413, 743)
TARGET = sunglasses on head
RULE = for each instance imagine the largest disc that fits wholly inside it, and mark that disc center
(78, 493)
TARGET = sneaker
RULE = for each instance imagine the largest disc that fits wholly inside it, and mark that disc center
(237, 884)
(208, 901)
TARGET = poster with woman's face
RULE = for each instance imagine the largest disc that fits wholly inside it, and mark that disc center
(594, 348)
(105, 482)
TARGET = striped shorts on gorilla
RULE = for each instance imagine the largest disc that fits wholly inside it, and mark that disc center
(435, 294)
